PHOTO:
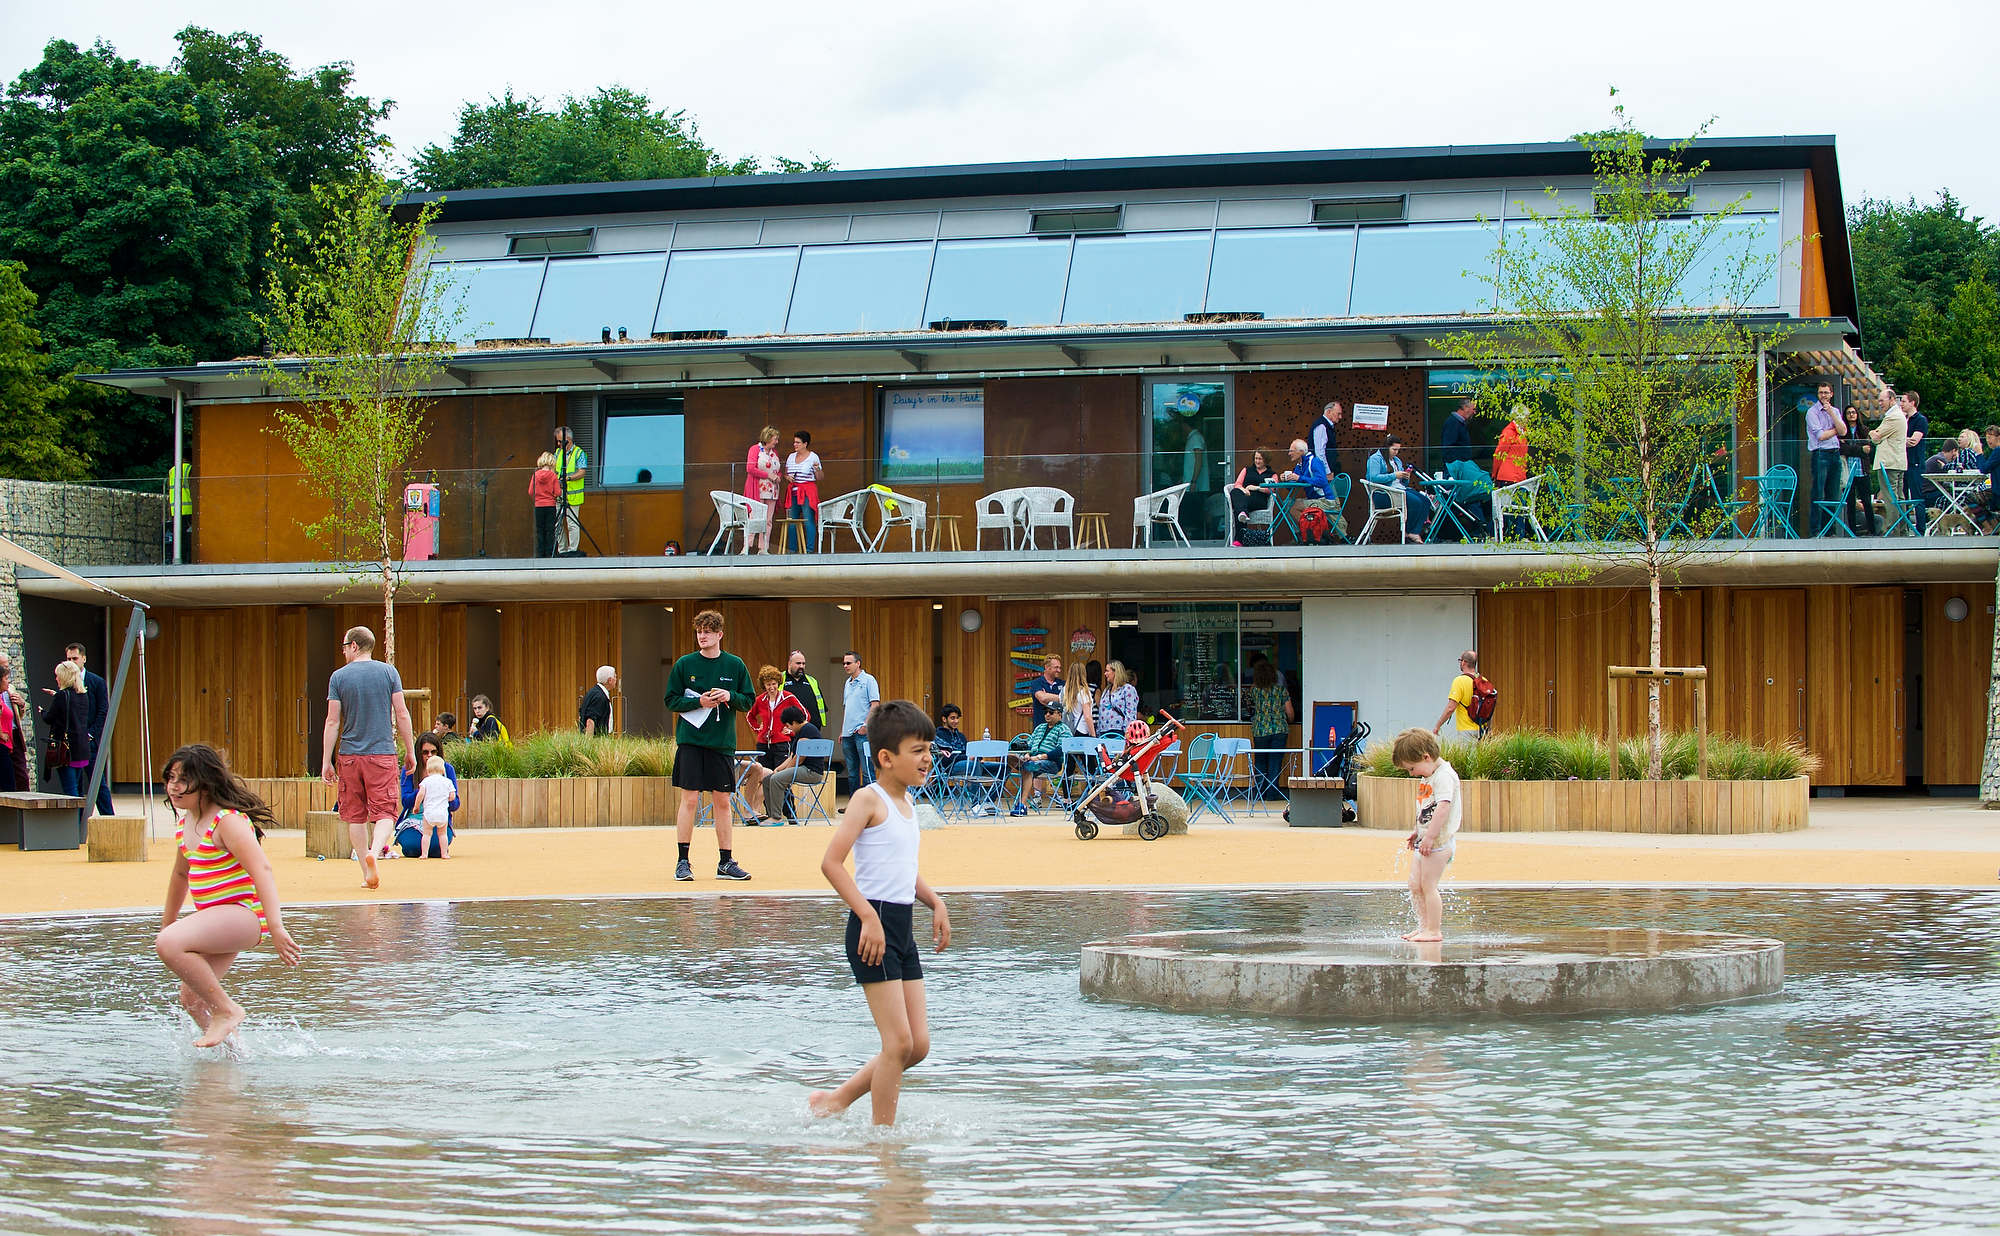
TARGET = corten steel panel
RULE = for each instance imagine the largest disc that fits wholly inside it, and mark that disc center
(1874, 690)
(1957, 657)
(1274, 408)
(722, 423)
(1081, 435)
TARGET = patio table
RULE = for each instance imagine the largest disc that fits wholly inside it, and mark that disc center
(1446, 507)
(1285, 496)
(1959, 491)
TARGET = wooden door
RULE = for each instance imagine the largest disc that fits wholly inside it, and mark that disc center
(294, 696)
(1767, 700)
(201, 709)
(894, 640)
(1875, 687)
(1517, 650)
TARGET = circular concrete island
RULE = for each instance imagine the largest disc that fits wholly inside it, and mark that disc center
(1584, 971)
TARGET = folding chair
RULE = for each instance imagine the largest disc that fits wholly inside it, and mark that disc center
(812, 749)
(1232, 757)
(1201, 780)
(984, 781)
(1079, 761)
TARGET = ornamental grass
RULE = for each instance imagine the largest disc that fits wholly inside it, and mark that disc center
(564, 753)
(1533, 755)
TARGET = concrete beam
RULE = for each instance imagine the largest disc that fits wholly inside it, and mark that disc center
(762, 364)
(606, 368)
(1236, 350)
(915, 360)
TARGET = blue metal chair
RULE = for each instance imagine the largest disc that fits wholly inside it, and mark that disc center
(1729, 507)
(1201, 780)
(1079, 760)
(1909, 513)
(1775, 491)
(813, 749)
(1338, 487)
(1833, 516)
(1232, 756)
(984, 780)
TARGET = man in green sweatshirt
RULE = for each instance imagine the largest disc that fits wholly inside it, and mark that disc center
(707, 687)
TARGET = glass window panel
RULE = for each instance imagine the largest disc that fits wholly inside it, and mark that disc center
(1019, 282)
(582, 296)
(645, 443)
(1282, 272)
(1709, 279)
(935, 435)
(494, 300)
(844, 288)
(1157, 277)
(742, 291)
(549, 242)
(1420, 269)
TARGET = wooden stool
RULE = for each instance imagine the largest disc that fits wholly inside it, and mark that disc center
(1091, 532)
(781, 539)
(940, 525)
(117, 839)
(327, 836)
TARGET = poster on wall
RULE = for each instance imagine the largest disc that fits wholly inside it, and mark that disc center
(935, 434)
(1371, 416)
(1331, 724)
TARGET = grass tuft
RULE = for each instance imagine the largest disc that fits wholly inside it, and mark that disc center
(1532, 755)
(565, 754)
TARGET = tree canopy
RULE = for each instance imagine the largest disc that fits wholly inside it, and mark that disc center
(1927, 276)
(140, 200)
(613, 134)
(34, 438)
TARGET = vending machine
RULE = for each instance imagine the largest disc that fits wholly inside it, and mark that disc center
(420, 522)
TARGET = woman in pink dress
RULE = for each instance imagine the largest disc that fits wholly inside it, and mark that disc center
(762, 471)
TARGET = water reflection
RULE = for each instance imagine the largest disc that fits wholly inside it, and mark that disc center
(642, 1066)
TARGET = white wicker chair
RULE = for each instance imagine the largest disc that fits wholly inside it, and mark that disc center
(1517, 499)
(1162, 506)
(910, 512)
(738, 515)
(846, 512)
(1398, 509)
(999, 511)
(1049, 508)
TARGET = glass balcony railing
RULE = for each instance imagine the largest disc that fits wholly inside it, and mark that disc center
(975, 504)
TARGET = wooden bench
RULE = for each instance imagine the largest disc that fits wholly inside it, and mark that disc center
(1316, 801)
(41, 821)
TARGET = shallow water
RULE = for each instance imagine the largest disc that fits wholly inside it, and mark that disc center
(640, 1066)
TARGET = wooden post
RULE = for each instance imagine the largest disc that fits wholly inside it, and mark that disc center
(1611, 713)
(116, 839)
(1701, 727)
(1697, 674)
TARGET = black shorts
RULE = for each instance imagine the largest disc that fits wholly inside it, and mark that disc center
(772, 754)
(899, 952)
(704, 768)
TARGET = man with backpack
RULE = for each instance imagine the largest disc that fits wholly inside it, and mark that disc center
(1472, 699)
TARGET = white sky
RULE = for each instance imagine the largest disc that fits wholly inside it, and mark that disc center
(1908, 88)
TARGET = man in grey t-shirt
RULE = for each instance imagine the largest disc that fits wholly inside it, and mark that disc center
(365, 715)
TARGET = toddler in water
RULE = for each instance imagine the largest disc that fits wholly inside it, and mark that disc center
(1436, 835)
(435, 796)
(218, 858)
(880, 828)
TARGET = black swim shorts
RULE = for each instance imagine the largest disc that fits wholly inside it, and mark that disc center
(899, 955)
(704, 768)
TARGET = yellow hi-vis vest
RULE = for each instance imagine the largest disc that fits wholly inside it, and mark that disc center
(570, 463)
(180, 497)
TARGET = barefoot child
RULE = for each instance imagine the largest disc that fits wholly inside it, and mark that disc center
(880, 827)
(435, 795)
(218, 858)
(1436, 835)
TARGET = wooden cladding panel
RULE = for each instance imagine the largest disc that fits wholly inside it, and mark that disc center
(971, 679)
(894, 640)
(1830, 639)
(1764, 698)
(1516, 647)
(1874, 692)
(1813, 299)
(1957, 674)
(549, 654)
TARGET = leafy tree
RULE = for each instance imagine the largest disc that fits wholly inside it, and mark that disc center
(1624, 394)
(611, 135)
(1953, 358)
(352, 302)
(34, 433)
(1908, 257)
(139, 200)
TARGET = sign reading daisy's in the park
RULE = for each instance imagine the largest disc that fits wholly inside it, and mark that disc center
(934, 435)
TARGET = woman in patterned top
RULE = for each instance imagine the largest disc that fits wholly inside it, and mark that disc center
(1118, 703)
(1271, 717)
(217, 858)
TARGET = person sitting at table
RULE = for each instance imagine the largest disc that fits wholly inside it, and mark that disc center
(1307, 470)
(1042, 761)
(1248, 493)
(1989, 463)
(1386, 468)
(948, 744)
(1964, 459)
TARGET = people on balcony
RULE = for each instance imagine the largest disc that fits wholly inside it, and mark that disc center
(762, 473)
(802, 473)
(1248, 493)
(1823, 443)
(571, 463)
(1386, 467)
(1510, 454)
(1456, 440)
(1891, 453)
(1855, 450)
(545, 491)
(1323, 440)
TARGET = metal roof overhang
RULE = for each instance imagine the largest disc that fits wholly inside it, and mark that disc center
(1091, 573)
(928, 356)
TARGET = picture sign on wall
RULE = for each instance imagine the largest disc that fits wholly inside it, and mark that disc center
(935, 434)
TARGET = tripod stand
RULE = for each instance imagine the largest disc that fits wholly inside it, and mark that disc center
(571, 518)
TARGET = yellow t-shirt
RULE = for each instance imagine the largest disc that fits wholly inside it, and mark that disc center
(1461, 695)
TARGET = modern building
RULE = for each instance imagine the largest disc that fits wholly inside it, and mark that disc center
(1109, 328)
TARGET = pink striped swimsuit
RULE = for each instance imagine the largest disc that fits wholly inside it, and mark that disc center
(215, 876)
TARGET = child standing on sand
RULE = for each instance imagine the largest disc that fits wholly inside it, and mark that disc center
(880, 828)
(1436, 835)
(435, 795)
(216, 857)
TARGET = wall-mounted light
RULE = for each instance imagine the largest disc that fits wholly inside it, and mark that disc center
(1956, 609)
(936, 607)
(152, 628)
(846, 609)
(970, 620)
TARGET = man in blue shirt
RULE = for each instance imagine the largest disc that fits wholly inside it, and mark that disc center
(858, 699)
(1823, 428)
(1045, 699)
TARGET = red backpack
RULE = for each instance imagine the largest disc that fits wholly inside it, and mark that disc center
(1485, 698)
(1314, 527)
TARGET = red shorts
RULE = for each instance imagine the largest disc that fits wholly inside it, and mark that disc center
(370, 788)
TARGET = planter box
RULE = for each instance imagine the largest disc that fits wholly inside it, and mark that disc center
(522, 802)
(1698, 807)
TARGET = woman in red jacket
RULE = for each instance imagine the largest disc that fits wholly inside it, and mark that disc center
(1510, 454)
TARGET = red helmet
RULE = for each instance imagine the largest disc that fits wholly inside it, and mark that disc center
(1136, 732)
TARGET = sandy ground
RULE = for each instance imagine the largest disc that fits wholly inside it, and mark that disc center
(1904, 841)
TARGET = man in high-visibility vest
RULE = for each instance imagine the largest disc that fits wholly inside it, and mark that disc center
(180, 508)
(570, 465)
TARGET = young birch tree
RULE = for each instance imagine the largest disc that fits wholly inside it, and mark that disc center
(353, 314)
(1624, 344)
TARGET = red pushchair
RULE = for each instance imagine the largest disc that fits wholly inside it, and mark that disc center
(1127, 792)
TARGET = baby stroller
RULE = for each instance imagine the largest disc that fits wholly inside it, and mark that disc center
(1340, 763)
(1127, 793)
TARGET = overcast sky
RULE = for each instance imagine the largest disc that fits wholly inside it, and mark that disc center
(1909, 89)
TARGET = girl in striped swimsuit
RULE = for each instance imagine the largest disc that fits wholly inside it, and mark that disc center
(216, 857)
